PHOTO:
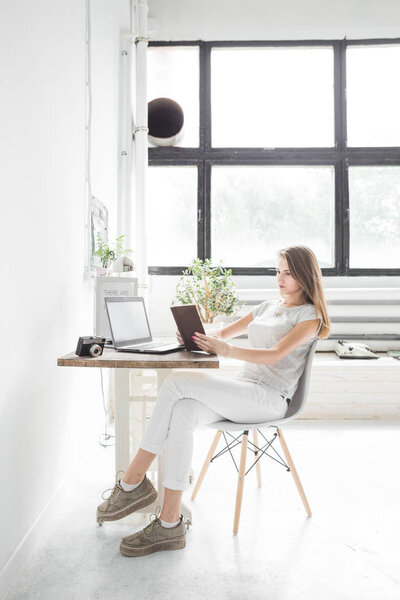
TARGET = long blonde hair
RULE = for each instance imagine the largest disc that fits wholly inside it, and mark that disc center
(306, 271)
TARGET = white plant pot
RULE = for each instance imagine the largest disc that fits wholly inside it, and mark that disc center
(213, 328)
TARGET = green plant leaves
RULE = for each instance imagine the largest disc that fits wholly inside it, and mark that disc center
(106, 253)
(209, 287)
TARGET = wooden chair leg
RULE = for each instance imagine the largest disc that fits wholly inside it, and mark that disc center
(241, 476)
(294, 472)
(258, 466)
(206, 464)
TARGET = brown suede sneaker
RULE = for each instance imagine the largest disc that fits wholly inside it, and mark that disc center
(155, 537)
(121, 504)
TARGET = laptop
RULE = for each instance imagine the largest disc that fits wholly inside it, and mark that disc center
(130, 329)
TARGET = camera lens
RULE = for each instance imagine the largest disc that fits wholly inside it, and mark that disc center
(95, 350)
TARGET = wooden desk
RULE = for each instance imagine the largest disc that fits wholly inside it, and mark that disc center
(122, 363)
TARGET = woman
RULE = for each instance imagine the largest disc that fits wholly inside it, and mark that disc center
(280, 334)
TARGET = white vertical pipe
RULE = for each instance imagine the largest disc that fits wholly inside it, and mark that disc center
(141, 153)
(134, 26)
(125, 146)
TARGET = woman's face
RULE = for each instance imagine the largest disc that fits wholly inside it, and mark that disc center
(286, 282)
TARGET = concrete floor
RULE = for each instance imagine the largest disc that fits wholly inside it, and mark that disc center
(348, 549)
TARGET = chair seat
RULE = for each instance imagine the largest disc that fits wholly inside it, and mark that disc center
(226, 425)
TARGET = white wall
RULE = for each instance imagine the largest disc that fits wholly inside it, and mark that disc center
(47, 412)
(269, 19)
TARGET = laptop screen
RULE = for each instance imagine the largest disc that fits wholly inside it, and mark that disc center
(128, 321)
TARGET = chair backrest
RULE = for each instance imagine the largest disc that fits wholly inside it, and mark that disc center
(299, 399)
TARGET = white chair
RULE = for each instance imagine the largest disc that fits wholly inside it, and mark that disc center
(295, 407)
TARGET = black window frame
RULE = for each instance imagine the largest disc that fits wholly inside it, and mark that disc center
(339, 156)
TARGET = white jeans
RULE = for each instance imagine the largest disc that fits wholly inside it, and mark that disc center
(188, 399)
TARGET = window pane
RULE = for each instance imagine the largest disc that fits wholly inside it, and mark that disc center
(171, 215)
(272, 97)
(173, 72)
(373, 96)
(255, 211)
(374, 217)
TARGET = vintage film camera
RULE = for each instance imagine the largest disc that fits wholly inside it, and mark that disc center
(90, 346)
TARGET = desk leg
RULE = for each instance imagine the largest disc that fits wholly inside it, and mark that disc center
(162, 374)
(121, 400)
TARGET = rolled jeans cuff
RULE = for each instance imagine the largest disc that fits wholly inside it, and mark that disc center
(153, 448)
(174, 484)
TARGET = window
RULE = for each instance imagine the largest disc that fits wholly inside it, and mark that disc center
(285, 143)
(272, 97)
(174, 73)
(373, 95)
(375, 217)
(171, 205)
(257, 209)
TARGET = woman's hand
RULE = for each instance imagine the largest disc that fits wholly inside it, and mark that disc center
(179, 338)
(211, 343)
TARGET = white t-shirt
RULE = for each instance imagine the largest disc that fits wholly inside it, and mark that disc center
(266, 330)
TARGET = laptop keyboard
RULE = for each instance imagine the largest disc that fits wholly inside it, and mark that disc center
(148, 345)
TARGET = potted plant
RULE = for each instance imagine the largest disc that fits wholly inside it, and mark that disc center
(106, 254)
(211, 289)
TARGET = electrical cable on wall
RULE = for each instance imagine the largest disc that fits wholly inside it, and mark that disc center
(104, 438)
(88, 139)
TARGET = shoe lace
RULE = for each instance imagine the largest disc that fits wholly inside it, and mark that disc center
(152, 523)
(113, 489)
(187, 522)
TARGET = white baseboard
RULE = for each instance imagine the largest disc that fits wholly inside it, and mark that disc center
(9, 574)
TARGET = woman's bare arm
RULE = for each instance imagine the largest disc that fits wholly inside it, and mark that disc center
(300, 334)
(236, 328)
